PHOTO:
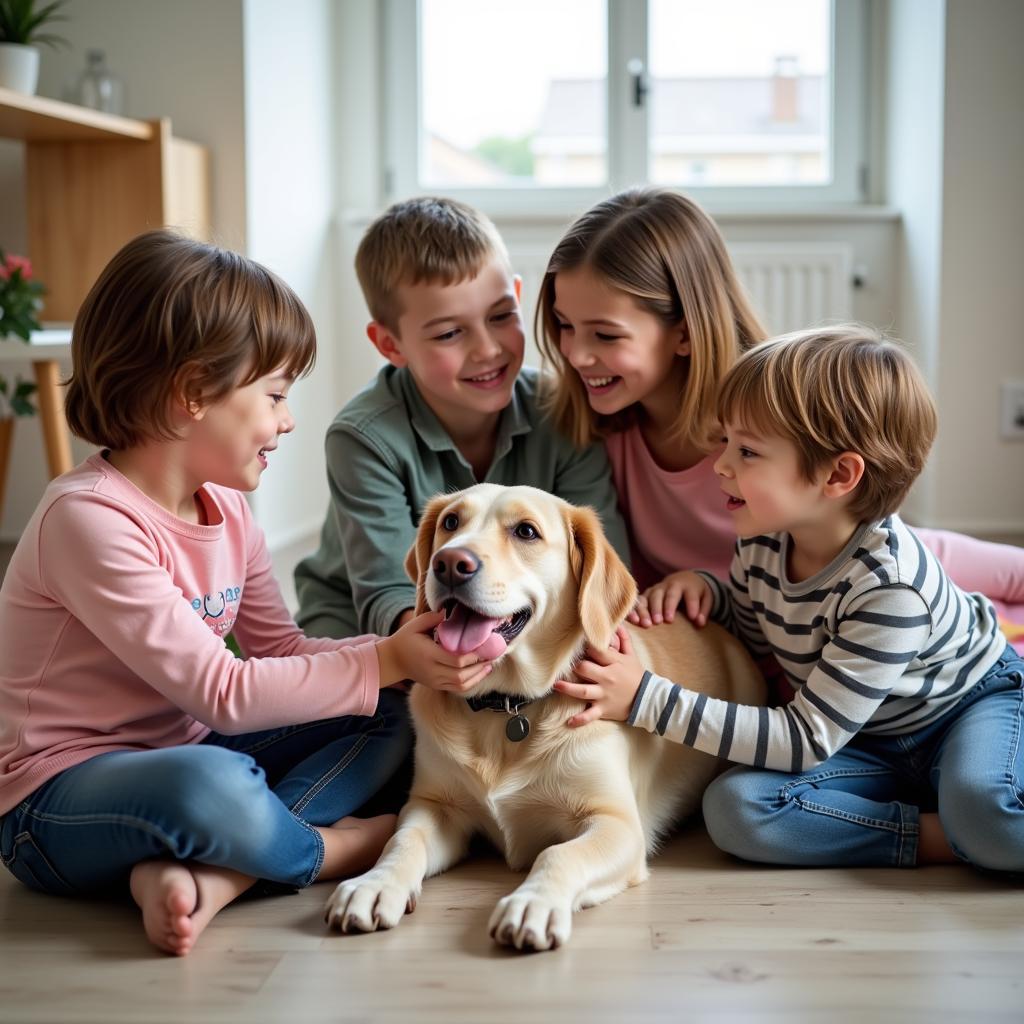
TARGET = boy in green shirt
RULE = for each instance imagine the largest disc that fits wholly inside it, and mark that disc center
(450, 410)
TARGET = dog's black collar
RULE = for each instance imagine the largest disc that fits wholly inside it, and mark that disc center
(517, 728)
(510, 703)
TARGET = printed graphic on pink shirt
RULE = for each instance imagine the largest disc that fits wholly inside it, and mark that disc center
(218, 609)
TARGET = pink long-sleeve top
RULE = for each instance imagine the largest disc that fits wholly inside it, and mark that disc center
(113, 615)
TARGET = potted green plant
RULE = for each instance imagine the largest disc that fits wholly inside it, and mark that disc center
(20, 35)
(21, 298)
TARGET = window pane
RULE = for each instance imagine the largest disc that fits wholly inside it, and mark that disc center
(740, 92)
(513, 93)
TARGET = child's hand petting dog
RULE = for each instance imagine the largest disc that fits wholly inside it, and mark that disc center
(686, 590)
(610, 678)
(411, 653)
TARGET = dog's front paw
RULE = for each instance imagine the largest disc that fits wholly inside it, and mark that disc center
(530, 920)
(368, 902)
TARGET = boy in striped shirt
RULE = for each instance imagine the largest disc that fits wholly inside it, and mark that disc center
(900, 746)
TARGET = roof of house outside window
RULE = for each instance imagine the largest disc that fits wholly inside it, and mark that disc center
(756, 112)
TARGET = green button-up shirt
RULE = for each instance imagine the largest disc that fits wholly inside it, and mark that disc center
(387, 455)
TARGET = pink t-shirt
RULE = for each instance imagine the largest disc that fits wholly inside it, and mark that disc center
(112, 618)
(676, 520)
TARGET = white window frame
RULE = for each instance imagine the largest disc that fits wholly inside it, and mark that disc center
(627, 123)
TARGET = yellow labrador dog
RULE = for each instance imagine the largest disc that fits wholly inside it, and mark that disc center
(528, 580)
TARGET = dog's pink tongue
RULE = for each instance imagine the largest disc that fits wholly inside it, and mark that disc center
(464, 631)
(493, 647)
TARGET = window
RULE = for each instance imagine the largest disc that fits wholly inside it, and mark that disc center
(550, 104)
(492, 118)
(746, 101)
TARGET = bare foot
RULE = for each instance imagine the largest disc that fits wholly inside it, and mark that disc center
(178, 900)
(352, 845)
(932, 845)
(167, 895)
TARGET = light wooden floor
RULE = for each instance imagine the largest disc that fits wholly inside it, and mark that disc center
(707, 938)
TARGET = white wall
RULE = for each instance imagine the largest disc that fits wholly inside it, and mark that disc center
(913, 171)
(290, 228)
(359, 127)
(979, 479)
(955, 156)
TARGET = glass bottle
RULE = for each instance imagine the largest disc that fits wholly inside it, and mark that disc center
(97, 87)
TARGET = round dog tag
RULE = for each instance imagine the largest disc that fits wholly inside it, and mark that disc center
(517, 728)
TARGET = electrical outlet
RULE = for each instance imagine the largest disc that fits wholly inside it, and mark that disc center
(1012, 415)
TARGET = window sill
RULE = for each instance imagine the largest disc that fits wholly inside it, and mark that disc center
(829, 212)
(824, 214)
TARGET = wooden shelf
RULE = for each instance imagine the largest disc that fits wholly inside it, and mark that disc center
(93, 181)
(36, 119)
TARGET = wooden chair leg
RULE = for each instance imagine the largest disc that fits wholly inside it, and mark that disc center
(51, 416)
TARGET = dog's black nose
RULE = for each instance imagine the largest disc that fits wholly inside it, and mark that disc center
(453, 566)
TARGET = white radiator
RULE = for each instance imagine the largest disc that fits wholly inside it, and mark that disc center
(796, 284)
(791, 284)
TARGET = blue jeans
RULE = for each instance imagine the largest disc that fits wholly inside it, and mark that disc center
(244, 802)
(861, 806)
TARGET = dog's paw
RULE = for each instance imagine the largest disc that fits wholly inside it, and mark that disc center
(367, 903)
(529, 920)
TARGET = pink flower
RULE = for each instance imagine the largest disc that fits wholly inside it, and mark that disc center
(13, 263)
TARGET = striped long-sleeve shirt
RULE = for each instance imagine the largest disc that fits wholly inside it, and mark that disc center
(880, 640)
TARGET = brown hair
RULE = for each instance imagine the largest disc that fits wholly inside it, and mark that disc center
(172, 318)
(666, 252)
(839, 389)
(425, 239)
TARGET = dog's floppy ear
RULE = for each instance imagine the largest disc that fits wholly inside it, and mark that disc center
(606, 588)
(417, 561)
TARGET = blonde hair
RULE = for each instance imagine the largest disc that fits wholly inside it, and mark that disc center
(425, 239)
(172, 318)
(839, 389)
(665, 251)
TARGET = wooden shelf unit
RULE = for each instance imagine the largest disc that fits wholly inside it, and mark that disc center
(93, 181)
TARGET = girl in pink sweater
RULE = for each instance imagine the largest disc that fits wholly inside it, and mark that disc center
(640, 317)
(134, 747)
